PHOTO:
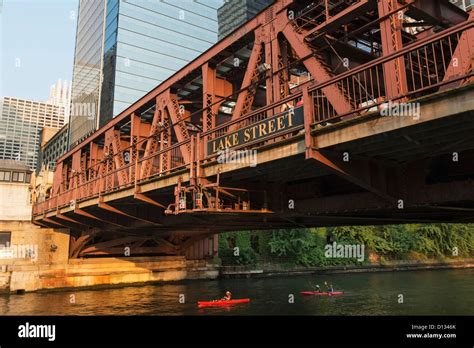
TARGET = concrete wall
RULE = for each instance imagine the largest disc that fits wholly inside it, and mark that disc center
(30, 248)
(24, 233)
(15, 202)
(94, 272)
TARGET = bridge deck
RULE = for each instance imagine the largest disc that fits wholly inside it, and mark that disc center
(391, 140)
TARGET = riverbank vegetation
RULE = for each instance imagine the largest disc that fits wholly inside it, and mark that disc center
(306, 247)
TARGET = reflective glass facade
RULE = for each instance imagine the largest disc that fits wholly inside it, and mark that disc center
(144, 43)
(234, 13)
(87, 70)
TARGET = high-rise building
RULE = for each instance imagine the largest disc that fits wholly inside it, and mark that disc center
(234, 13)
(124, 49)
(60, 95)
(22, 120)
(87, 70)
(52, 146)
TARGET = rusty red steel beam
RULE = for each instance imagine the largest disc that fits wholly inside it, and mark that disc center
(151, 141)
(67, 218)
(115, 210)
(176, 113)
(76, 244)
(40, 224)
(354, 33)
(335, 96)
(94, 217)
(268, 108)
(463, 56)
(406, 49)
(57, 180)
(51, 221)
(391, 32)
(251, 77)
(141, 197)
(209, 82)
(340, 18)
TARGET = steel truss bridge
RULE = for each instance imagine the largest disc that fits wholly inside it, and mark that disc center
(309, 92)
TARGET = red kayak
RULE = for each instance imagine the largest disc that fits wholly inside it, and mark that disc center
(220, 303)
(315, 293)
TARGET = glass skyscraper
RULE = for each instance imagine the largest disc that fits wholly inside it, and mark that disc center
(87, 71)
(126, 48)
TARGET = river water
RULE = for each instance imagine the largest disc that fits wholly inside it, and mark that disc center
(433, 292)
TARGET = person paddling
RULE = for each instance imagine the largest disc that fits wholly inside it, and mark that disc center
(330, 288)
(228, 296)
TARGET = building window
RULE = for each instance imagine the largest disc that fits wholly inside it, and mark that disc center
(4, 176)
(5, 237)
(18, 177)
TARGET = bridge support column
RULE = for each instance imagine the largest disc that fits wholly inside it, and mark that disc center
(308, 121)
(391, 33)
(462, 60)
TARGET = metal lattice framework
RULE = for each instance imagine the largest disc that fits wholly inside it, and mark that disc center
(340, 59)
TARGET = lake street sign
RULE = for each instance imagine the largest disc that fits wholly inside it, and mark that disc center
(271, 126)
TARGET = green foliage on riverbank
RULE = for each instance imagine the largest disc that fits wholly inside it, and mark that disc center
(235, 249)
(307, 246)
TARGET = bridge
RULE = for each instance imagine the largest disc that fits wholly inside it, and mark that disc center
(314, 113)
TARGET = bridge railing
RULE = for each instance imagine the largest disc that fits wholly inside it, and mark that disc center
(425, 68)
(40, 206)
(164, 161)
(88, 188)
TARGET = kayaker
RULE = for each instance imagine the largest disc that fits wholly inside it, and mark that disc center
(329, 287)
(228, 296)
(318, 289)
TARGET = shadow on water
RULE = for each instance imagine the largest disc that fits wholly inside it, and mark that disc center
(434, 292)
